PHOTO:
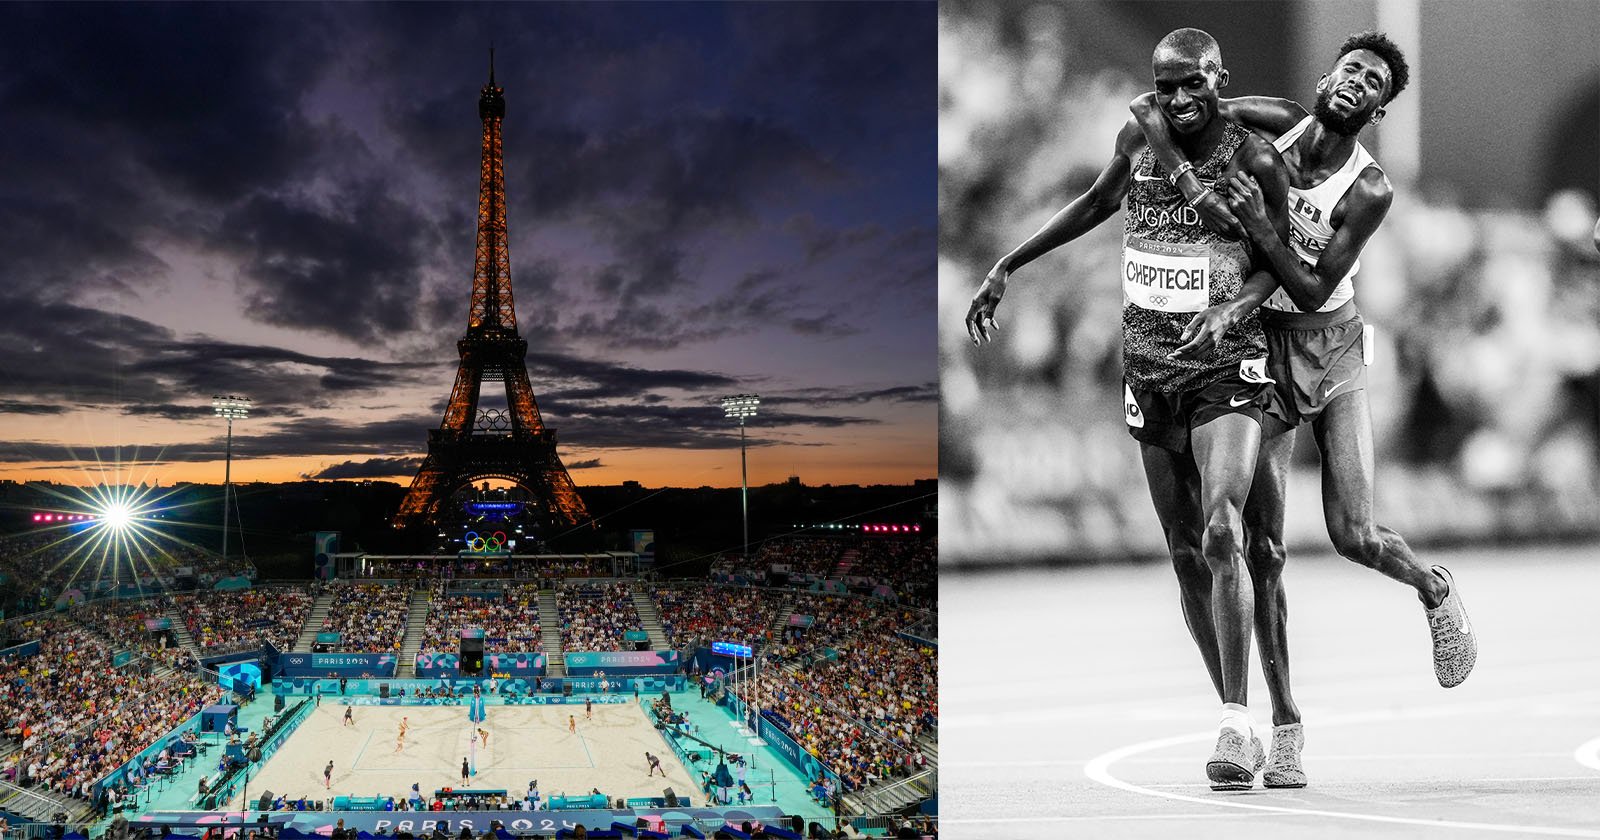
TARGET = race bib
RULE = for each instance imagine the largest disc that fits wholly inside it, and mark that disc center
(1166, 276)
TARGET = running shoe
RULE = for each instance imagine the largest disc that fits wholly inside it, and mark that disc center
(1234, 762)
(1455, 649)
(1283, 768)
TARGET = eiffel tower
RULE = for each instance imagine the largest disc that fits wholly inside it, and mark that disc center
(472, 443)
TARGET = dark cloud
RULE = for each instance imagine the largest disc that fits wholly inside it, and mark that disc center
(68, 353)
(371, 468)
(927, 392)
(12, 407)
(350, 265)
(586, 464)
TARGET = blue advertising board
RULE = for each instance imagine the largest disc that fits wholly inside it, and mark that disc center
(337, 664)
(546, 823)
(586, 663)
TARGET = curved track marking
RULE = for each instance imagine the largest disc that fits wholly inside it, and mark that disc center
(1098, 769)
(1589, 754)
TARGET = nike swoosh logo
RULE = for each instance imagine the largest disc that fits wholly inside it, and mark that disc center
(1335, 385)
(1142, 178)
(1236, 402)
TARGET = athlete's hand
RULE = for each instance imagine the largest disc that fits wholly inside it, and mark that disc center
(1214, 214)
(1203, 332)
(984, 304)
(1246, 202)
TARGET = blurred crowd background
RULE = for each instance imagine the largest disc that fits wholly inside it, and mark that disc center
(1483, 283)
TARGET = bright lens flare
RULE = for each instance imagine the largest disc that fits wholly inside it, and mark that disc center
(118, 517)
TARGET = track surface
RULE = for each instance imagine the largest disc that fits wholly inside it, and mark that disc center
(1074, 700)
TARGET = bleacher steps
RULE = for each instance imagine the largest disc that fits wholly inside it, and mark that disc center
(649, 617)
(416, 624)
(314, 618)
(180, 630)
(550, 633)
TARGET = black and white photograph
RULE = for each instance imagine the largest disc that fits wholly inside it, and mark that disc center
(1269, 332)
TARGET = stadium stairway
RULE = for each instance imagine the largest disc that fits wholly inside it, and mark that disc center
(314, 618)
(40, 806)
(416, 625)
(780, 616)
(650, 617)
(847, 561)
(180, 630)
(550, 633)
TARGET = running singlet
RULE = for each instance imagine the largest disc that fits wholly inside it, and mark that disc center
(1310, 217)
(1173, 267)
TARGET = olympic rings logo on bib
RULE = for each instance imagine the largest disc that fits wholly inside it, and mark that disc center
(1166, 276)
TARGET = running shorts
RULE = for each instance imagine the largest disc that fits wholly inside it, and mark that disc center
(1314, 357)
(1165, 419)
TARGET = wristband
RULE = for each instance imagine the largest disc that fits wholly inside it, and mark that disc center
(1197, 196)
(1178, 173)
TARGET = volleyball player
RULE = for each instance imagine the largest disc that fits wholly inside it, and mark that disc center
(1315, 334)
(1197, 420)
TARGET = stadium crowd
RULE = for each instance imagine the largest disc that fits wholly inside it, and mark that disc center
(710, 612)
(813, 556)
(368, 616)
(908, 566)
(230, 619)
(594, 616)
(75, 718)
(509, 619)
(850, 691)
(123, 622)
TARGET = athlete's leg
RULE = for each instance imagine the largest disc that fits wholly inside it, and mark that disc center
(1265, 556)
(1225, 453)
(1344, 437)
(1175, 490)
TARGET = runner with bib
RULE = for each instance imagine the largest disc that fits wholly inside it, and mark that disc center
(1197, 419)
(1318, 355)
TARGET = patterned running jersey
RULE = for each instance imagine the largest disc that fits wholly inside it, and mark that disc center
(1173, 267)
(1311, 219)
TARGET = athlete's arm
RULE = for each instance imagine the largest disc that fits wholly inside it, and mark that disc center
(1211, 205)
(1207, 327)
(1265, 115)
(1355, 218)
(1261, 163)
(1100, 202)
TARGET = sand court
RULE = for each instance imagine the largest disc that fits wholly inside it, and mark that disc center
(525, 743)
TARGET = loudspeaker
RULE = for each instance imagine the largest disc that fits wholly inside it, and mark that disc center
(672, 798)
(383, 690)
(566, 689)
(265, 803)
(278, 704)
(642, 645)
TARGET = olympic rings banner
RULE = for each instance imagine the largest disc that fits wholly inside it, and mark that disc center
(486, 542)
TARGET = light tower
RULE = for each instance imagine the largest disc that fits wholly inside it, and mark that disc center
(232, 408)
(742, 407)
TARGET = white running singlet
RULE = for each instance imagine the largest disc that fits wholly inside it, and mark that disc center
(1310, 213)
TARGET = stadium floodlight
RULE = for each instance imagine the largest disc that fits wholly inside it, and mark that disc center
(118, 517)
(232, 408)
(742, 407)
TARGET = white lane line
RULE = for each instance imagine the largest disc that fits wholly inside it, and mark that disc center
(1073, 762)
(1119, 818)
(1589, 754)
(1501, 779)
(1099, 771)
